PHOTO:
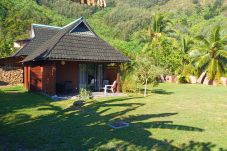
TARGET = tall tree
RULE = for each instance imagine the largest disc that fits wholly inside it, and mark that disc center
(210, 55)
(186, 45)
(159, 26)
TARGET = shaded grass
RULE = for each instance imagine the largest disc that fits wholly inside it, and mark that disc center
(172, 117)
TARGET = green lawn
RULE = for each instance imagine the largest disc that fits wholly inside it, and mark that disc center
(172, 117)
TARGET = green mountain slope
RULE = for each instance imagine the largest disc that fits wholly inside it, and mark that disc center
(123, 23)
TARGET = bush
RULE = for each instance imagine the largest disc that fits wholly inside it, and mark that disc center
(183, 79)
(85, 94)
(129, 85)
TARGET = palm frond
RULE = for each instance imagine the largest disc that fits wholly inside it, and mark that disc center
(224, 40)
(190, 42)
(202, 49)
(222, 53)
(195, 53)
(212, 69)
(183, 44)
(203, 61)
(217, 45)
(169, 31)
(202, 39)
(220, 70)
(215, 34)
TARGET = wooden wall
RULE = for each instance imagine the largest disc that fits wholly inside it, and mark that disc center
(36, 78)
(26, 77)
(40, 77)
(49, 78)
(110, 73)
(67, 72)
(43, 76)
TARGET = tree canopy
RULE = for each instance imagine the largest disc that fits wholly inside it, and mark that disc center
(124, 24)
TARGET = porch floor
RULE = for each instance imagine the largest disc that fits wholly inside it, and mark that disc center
(94, 95)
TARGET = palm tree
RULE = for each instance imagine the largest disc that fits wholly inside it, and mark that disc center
(210, 56)
(159, 26)
(186, 45)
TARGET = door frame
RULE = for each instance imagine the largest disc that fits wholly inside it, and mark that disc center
(86, 74)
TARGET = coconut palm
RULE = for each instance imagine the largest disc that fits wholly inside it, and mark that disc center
(210, 56)
(159, 26)
(186, 45)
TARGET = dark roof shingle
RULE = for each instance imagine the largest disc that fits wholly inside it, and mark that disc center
(77, 42)
(42, 34)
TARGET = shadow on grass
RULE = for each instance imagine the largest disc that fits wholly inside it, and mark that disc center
(14, 99)
(161, 91)
(87, 129)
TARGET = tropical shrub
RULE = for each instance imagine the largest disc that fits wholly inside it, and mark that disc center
(183, 79)
(85, 94)
(129, 85)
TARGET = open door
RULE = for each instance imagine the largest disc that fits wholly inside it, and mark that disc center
(90, 76)
(82, 76)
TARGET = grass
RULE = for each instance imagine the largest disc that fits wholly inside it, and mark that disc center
(172, 117)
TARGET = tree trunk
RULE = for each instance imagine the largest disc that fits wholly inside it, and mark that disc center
(145, 89)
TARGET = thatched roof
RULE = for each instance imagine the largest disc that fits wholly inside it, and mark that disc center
(75, 42)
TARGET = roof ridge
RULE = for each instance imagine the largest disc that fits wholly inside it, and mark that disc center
(44, 50)
(49, 49)
(67, 26)
(81, 18)
(48, 26)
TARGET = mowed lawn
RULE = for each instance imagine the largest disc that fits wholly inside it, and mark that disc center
(172, 117)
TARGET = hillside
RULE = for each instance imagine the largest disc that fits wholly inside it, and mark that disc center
(122, 23)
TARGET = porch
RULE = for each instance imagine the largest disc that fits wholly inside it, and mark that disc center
(73, 76)
(74, 96)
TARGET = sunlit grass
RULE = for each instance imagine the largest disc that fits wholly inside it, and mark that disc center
(172, 115)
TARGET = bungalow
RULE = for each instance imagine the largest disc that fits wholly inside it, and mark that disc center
(66, 59)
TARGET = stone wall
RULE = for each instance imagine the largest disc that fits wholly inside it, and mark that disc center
(11, 75)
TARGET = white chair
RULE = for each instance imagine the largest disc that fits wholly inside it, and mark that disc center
(110, 87)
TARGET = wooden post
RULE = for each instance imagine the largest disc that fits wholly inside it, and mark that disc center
(29, 77)
(26, 77)
(118, 78)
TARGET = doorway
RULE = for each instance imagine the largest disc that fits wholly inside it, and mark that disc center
(90, 76)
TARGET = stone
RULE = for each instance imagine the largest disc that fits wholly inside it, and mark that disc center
(201, 78)
(223, 81)
(193, 79)
(118, 124)
(171, 79)
(206, 81)
(79, 103)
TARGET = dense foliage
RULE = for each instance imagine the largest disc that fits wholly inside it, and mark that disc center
(164, 30)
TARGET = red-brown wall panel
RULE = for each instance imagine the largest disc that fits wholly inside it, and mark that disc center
(67, 72)
(110, 73)
(36, 78)
(49, 78)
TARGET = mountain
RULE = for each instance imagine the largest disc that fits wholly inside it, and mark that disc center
(122, 23)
